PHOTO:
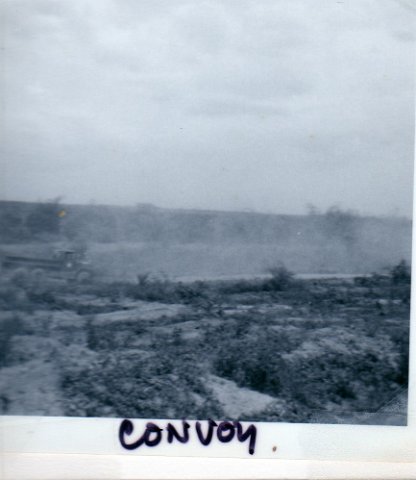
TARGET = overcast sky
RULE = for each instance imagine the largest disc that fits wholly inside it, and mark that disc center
(261, 105)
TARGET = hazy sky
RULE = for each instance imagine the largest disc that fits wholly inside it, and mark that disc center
(263, 105)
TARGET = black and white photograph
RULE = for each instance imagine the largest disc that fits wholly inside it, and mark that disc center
(206, 209)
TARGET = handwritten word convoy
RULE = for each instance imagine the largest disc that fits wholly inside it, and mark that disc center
(153, 434)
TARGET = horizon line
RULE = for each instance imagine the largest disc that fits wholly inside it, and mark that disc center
(143, 205)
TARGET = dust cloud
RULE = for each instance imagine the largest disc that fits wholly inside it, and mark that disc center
(123, 242)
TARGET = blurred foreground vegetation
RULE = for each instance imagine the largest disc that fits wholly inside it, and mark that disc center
(314, 350)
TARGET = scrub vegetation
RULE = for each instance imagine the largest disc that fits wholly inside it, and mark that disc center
(277, 348)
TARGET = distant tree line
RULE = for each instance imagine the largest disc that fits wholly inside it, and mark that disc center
(53, 221)
(29, 221)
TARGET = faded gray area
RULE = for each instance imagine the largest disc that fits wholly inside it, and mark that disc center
(237, 105)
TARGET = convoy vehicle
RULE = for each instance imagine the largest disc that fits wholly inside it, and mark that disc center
(64, 264)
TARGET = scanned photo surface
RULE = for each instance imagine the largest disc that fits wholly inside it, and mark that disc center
(206, 209)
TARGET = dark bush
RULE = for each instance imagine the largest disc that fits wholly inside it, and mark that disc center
(401, 273)
(281, 279)
(134, 384)
(324, 365)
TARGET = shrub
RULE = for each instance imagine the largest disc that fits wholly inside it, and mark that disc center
(322, 366)
(240, 359)
(401, 273)
(138, 384)
(282, 278)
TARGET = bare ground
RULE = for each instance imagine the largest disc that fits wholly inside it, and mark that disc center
(316, 350)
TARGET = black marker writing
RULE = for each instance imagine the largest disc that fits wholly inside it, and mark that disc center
(225, 432)
(152, 435)
(205, 440)
(173, 433)
(126, 428)
(250, 433)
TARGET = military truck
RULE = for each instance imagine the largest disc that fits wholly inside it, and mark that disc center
(64, 264)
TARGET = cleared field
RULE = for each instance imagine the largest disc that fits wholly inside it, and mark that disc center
(266, 349)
